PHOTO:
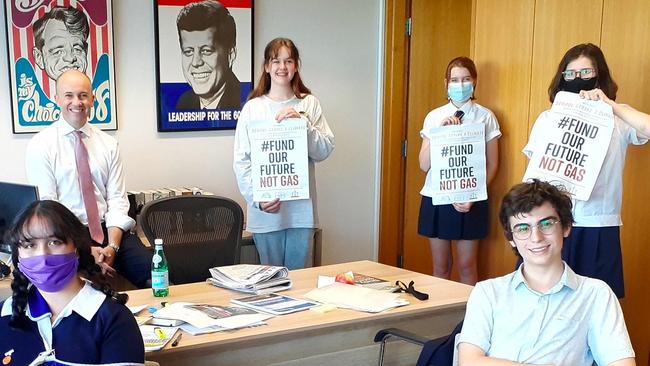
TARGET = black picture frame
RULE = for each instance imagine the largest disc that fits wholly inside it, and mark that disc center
(202, 84)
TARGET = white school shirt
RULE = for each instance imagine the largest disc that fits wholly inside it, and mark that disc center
(577, 321)
(320, 143)
(474, 113)
(604, 205)
(51, 165)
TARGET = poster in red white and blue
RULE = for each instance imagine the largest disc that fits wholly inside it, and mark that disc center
(204, 62)
(48, 37)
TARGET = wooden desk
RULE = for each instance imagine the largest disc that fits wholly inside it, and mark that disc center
(340, 337)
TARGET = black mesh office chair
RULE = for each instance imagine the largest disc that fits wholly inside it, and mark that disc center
(198, 232)
(435, 352)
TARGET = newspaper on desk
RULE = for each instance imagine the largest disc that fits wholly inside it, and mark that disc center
(357, 298)
(207, 315)
(251, 278)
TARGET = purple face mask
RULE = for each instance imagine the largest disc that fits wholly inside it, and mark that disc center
(50, 273)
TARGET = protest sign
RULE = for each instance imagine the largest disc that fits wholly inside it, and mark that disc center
(572, 143)
(279, 160)
(458, 164)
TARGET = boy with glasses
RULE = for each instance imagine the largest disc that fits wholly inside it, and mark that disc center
(543, 313)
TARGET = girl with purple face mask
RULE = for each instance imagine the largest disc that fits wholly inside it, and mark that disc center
(54, 315)
(593, 248)
(464, 222)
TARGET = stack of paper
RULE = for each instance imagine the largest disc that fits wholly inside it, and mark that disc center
(275, 304)
(356, 298)
(251, 278)
(205, 315)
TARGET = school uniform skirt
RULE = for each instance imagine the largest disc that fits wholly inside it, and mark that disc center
(444, 222)
(596, 252)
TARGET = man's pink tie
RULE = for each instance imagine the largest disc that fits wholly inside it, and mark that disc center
(87, 190)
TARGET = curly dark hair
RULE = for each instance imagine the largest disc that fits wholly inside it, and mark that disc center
(524, 197)
(65, 226)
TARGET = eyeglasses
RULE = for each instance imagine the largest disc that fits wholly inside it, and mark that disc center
(587, 73)
(524, 231)
(410, 289)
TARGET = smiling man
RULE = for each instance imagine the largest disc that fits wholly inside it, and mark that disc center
(207, 36)
(543, 313)
(77, 164)
(60, 41)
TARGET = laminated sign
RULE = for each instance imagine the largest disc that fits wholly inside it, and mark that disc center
(458, 164)
(279, 160)
(571, 144)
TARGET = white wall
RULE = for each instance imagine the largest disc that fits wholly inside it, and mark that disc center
(340, 45)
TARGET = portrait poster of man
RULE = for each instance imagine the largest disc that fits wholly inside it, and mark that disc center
(48, 37)
(204, 57)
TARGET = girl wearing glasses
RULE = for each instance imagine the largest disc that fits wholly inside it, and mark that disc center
(465, 222)
(593, 248)
(54, 316)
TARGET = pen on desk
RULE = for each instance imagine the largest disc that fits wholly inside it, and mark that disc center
(177, 340)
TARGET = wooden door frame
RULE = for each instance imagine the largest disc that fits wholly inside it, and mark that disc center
(393, 163)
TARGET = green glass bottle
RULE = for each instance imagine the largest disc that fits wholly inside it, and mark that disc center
(159, 271)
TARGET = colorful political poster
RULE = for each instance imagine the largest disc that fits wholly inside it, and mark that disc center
(458, 164)
(279, 160)
(571, 144)
(48, 37)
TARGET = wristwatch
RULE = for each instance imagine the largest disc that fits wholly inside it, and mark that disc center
(115, 247)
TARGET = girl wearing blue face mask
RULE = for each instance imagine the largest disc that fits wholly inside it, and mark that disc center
(54, 316)
(467, 222)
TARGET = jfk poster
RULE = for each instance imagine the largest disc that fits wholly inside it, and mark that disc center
(204, 62)
(46, 38)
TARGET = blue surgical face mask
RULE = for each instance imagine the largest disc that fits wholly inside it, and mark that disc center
(460, 92)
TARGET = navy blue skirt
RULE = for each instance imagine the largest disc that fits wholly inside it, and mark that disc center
(596, 252)
(444, 222)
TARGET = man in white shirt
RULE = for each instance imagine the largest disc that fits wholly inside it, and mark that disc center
(543, 313)
(54, 165)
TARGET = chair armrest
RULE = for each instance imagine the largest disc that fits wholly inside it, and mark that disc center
(384, 334)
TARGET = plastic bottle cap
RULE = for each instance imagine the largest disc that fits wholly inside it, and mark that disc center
(158, 242)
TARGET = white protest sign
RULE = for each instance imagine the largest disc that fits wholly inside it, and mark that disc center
(572, 144)
(279, 160)
(458, 164)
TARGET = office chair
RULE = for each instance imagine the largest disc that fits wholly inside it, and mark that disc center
(435, 352)
(198, 232)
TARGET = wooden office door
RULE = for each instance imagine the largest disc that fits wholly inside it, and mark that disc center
(440, 32)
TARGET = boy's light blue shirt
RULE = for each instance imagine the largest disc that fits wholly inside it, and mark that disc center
(577, 321)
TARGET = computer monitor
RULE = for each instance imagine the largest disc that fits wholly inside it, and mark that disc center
(14, 198)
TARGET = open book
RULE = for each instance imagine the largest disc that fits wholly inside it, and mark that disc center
(251, 278)
(155, 337)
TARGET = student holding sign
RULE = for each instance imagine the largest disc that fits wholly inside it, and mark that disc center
(638, 120)
(282, 230)
(465, 222)
(593, 248)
